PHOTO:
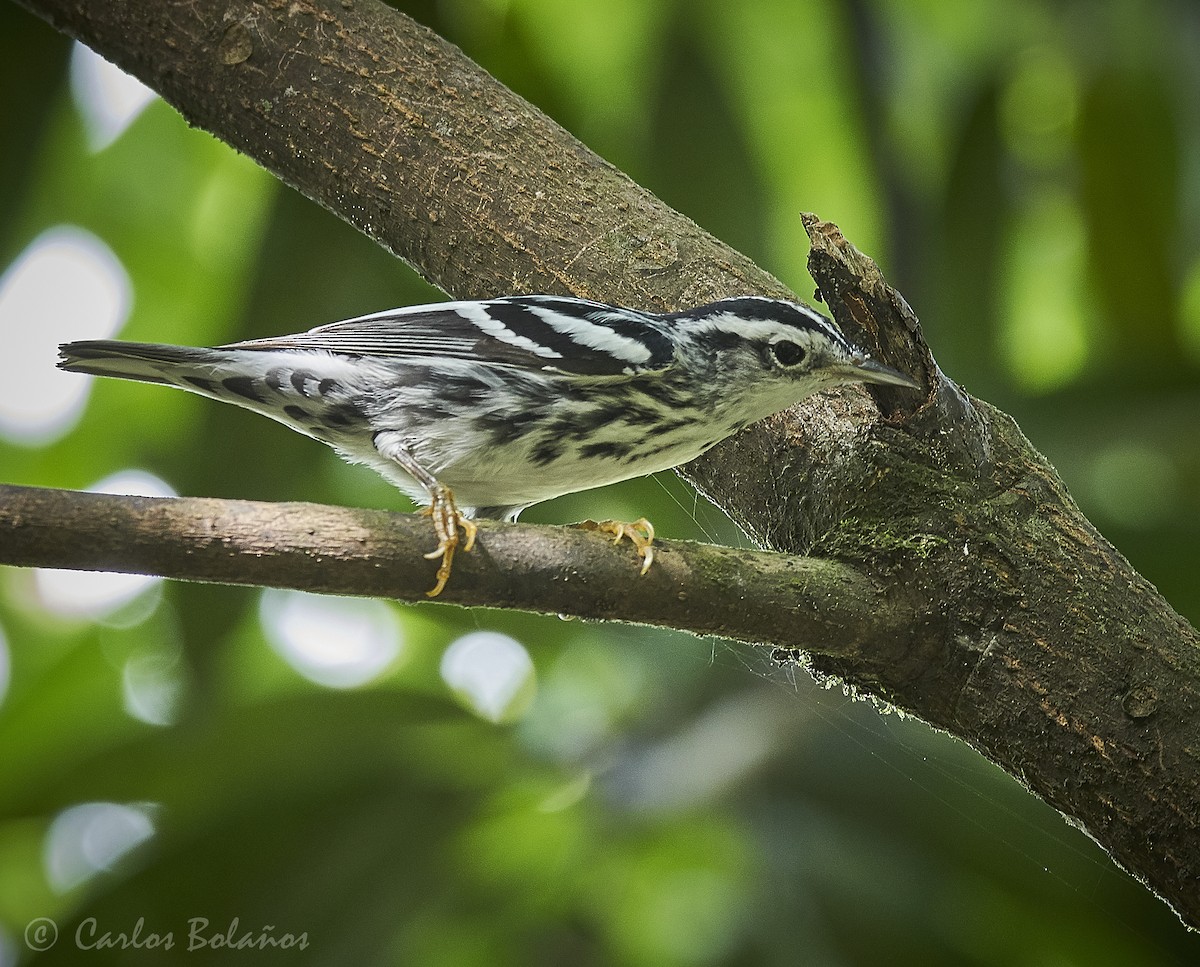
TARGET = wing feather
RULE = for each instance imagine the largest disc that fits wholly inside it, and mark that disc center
(529, 332)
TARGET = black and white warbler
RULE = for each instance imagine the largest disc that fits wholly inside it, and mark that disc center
(481, 409)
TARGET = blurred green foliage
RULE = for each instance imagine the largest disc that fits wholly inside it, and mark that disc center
(1026, 173)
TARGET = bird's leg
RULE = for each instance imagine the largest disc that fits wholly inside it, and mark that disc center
(640, 534)
(447, 522)
(450, 525)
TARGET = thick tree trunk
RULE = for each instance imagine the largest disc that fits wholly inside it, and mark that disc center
(1030, 636)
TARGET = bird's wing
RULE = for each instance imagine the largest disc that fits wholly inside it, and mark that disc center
(530, 332)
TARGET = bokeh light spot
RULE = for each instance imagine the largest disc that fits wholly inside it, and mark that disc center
(1045, 325)
(492, 673)
(90, 838)
(98, 593)
(338, 642)
(66, 285)
(108, 99)
(152, 687)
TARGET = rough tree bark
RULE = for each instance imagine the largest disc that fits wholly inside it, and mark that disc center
(1028, 636)
(556, 570)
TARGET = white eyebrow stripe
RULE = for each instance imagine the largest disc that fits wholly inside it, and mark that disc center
(593, 335)
(478, 315)
(758, 329)
(764, 330)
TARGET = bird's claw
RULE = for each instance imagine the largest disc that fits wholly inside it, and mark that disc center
(640, 533)
(452, 529)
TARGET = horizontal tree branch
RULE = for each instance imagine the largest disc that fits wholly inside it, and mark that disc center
(753, 596)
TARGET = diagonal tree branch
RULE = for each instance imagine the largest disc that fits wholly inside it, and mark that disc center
(1032, 638)
(389, 126)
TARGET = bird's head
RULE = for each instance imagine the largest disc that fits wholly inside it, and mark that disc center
(773, 353)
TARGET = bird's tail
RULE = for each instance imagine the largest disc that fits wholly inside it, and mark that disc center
(316, 398)
(191, 369)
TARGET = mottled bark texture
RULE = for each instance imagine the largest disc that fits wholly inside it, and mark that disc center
(1026, 633)
(701, 588)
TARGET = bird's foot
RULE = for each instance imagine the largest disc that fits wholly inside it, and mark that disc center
(452, 529)
(640, 533)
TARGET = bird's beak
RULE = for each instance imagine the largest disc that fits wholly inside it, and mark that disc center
(866, 370)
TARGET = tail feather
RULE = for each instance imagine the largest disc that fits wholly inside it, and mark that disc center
(312, 392)
(145, 362)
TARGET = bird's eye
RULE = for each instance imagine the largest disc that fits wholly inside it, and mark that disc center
(787, 353)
